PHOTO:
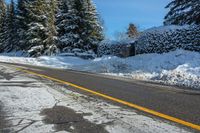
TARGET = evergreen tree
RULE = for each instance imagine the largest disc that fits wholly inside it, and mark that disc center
(21, 24)
(10, 29)
(78, 26)
(39, 36)
(72, 26)
(2, 23)
(183, 12)
(62, 17)
(51, 40)
(132, 31)
(2, 11)
(38, 23)
(94, 28)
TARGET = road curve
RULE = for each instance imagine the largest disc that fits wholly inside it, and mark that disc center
(172, 101)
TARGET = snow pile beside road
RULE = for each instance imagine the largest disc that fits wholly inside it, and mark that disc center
(179, 67)
(175, 68)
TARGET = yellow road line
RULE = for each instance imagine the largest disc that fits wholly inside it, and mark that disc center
(152, 112)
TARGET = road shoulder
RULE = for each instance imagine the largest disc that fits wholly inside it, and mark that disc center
(37, 105)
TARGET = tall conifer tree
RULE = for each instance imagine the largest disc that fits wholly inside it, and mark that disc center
(21, 24)
(10, 29)
(183, 12)
(39, 36)
(51, 40)
(79, 26)
(94, 28)
(2, 23)
(62, 22)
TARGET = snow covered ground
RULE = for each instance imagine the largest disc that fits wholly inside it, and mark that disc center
(179, 67)
(30, 105)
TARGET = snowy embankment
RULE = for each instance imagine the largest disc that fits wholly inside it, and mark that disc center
(179, 67)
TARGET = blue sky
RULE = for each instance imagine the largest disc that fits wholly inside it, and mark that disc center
(117, 14)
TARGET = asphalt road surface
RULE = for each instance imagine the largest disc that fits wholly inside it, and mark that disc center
(173, 101)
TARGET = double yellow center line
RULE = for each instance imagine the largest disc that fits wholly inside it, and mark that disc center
(152, 112)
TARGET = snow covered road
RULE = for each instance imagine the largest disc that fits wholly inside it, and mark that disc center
(34, 105)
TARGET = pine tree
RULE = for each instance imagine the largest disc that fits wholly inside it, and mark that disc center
(39, 35)
(62, 17)
(10, 29)
(71, 26)
(79, 26)
(21, 24)
(2, 23)
(2, 11)
(51, 40)
(132, 31)
(94, 28)
(76, 25)
(183, 12)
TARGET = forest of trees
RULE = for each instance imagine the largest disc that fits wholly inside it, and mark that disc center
(46, 27)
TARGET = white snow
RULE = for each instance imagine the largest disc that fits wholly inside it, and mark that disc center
(179, 67)
(163, 29)
(23, 98)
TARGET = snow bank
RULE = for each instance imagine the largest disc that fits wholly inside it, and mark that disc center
(179, 67)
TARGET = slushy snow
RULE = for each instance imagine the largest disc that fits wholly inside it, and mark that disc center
(178, 67)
